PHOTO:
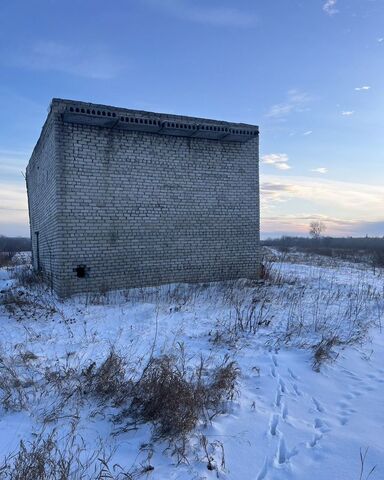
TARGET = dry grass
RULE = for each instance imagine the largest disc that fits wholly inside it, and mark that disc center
(322, 316)
(109, 380)
(324, 351)
(270, 270)
(26, 277)
(169, 394)
(66, 457)
(23, 304)
(14, 387)
(173, 398)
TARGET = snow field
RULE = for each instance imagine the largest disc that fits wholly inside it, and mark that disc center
(288, 421)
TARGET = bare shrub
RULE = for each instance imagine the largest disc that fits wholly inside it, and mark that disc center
(24, 304)
(27, 277)
(109, 379)
(222, 386)
(250, 310)
(15, 301)
(270, 270)
(209, 450)
(323, 351)
(251, 315)
(13, 387)
(173, 398)
(166, 398)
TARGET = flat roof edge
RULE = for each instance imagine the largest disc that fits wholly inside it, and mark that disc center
(67, 103)
(150, 122)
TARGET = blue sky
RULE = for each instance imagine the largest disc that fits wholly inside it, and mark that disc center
(310, 73)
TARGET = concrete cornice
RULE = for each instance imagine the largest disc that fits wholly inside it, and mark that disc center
(159, 123)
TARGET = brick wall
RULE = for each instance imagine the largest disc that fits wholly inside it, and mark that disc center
(42, 181)
(141, 209)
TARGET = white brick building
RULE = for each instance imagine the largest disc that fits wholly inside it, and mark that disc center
(122, 198)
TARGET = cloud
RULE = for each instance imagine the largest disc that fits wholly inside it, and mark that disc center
(288, 204)
(296, 102)
(350, 199)
(278, 160)
(95, 62)
(347, 113)
(320, 170)
(309, 132)
(12, 166)
(380, 40)
(364, 87)
(219, 16)
(272, 193)
(329, 7)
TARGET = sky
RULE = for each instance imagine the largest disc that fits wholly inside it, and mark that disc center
(310, 73)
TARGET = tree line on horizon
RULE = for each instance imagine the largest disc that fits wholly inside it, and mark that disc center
(14, 244)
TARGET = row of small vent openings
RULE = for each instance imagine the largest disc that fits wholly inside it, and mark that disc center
(146, 121)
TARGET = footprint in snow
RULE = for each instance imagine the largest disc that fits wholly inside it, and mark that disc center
(284, 411)
(318, 405)
(293, 376)
(320, 426)
(356, 393)
(274, 360)
(343, 419)
(369, 388)
(283, 455)
(264, 470)
(296, 390)
(315, 440)
(273, 425)
(349, 396)
(278, 398)
(345, 411)
(318, 423)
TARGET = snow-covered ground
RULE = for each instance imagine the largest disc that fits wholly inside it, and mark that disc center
(288, 420)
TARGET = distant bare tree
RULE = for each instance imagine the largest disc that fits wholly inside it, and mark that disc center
(316, 229)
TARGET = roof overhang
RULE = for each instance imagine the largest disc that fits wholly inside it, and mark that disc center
(162, 124)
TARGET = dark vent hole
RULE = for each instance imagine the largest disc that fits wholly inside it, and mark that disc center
(80, 271)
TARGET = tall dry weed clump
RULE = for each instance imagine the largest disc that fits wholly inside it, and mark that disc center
(27, 277)
(169, 393)
(271, 270)
(109, 380)
(23, 304)
(173, 398)
(58, 457)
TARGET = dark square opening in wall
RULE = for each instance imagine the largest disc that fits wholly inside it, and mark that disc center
(81, 271)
